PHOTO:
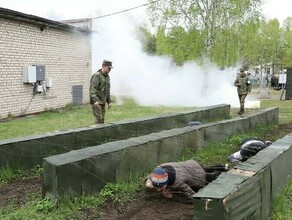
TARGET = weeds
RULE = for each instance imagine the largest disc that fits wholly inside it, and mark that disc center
(282, 207)
(9, 173)
(46, 205)
(13, 172)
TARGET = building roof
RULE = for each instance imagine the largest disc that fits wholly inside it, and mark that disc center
(42, 22)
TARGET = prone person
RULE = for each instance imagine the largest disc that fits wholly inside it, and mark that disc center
(248, 148)
(181, 180)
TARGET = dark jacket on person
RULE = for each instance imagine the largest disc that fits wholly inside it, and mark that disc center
(243, 84)
(251, 146)
(248, 148)
(99, 90)
(185, 177)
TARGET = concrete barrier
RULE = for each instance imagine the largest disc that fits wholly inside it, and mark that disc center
(27, 152)
(87, 170)
(248, 190)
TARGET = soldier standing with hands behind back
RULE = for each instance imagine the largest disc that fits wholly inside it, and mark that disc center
(99, 91)
(243, 88)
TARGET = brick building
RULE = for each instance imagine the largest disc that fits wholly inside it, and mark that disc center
(44, 64)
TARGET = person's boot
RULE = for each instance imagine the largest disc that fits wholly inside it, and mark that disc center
(241, 111)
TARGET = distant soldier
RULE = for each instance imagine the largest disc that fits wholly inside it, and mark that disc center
(99, 91)
(243, 88)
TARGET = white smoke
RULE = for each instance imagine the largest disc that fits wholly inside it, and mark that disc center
(156, 80)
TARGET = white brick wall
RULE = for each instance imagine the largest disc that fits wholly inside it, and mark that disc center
(67, 58)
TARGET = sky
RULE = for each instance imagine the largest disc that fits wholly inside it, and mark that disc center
(80, 9)
(150, 80)
(63, 9)
(279, 9)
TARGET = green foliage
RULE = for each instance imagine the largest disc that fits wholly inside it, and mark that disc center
(9, 115)
(38, 170)
(9, 173)
(148, 41)
(119, 192)
(211, 28)
(69, 106)
(282, 207)
(286, 59)
(13, 172)
(46, 205)
(187, 31)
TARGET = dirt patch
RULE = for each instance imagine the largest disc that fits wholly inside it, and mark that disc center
(149, 205)
(19, 192)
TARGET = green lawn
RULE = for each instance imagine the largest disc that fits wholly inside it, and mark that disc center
(75, 117)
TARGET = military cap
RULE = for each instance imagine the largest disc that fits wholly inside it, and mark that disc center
(107, 63)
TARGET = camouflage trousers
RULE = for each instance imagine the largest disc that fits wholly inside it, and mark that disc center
(98, 113)
(241, 100)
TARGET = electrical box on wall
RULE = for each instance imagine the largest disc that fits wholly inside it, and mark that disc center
(40, 73)
(49, 82)
(34, 73)
(39, 88)
(29, 74)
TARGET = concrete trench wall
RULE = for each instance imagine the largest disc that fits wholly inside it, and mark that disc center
(248, 190)
(28, 152)
(87, 170)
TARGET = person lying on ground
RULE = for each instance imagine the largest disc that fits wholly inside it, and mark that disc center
(248, 148)
(181, 180)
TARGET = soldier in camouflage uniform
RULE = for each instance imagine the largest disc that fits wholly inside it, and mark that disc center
(99, 91)
(243, 88)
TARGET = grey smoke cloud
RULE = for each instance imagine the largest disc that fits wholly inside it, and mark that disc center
(156, 80)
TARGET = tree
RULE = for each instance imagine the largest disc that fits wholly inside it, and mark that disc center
(179, 44)
(148, 40)
(286, 59)
(211, 18)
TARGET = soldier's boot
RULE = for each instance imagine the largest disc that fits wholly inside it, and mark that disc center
(241, 111)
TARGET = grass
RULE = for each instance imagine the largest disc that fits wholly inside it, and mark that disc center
(75, 117)
(282, 209)
(121, 193)
(78, 208)
(8, 174)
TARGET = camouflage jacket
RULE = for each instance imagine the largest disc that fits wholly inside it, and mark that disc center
(99, 90)
(243, 85)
